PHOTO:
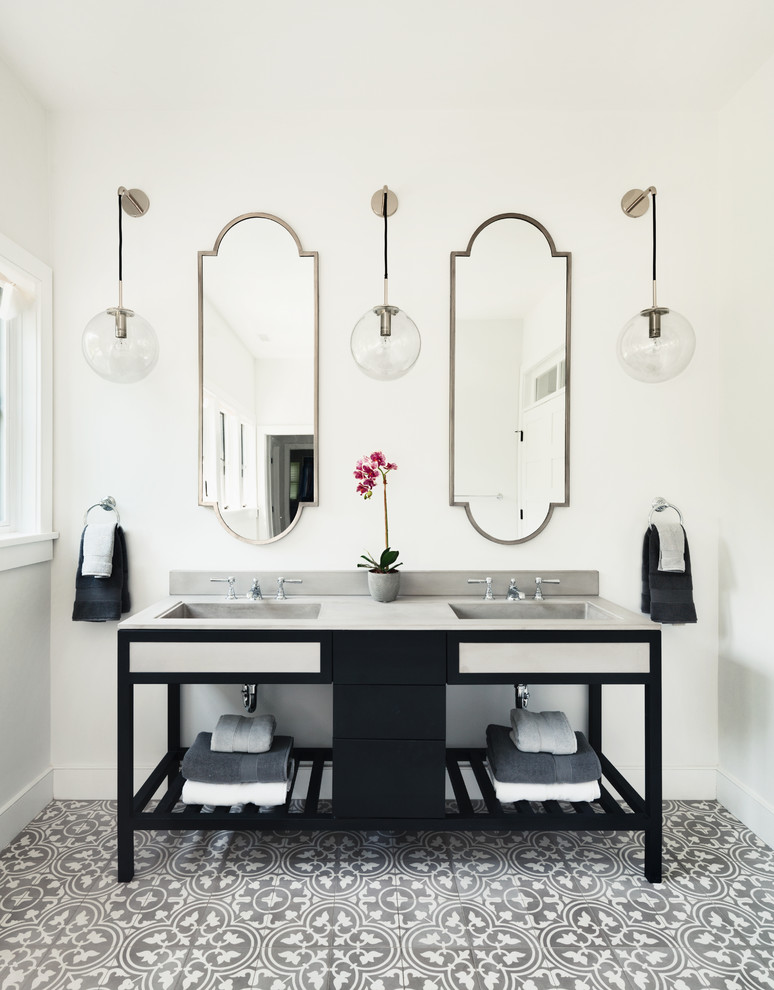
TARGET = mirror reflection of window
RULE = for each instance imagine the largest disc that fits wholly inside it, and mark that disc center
(510, 328)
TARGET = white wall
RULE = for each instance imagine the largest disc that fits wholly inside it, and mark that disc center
(25, 591)
(746, 682)
(630, 442)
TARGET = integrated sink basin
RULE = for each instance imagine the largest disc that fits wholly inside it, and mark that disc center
(271, 611)
(545, 611)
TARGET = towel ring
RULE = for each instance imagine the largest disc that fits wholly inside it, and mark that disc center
(108, 504)
(659, 504)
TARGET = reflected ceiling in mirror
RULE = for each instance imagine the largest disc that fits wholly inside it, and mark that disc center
(510, 378)
(258, 377)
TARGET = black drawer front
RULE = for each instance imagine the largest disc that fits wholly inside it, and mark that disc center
(395, 779)
(389, 711)
(389, 658)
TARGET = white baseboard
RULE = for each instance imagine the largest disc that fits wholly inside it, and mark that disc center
(17, 813)
(750, 808)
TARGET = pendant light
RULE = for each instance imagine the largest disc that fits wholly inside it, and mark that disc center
(385, 342)
(657, 343)
(118, 343)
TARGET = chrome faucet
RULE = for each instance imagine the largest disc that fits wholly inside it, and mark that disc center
(514, 595)
(488, 596)
(281, 582)
(539, 582)
(231, 596)
(255, 591)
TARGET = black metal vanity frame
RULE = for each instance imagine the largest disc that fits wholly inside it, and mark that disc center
(404, 659)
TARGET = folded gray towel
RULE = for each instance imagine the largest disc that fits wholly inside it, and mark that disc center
(241, 734)
(542, 732)
(201, 764)
(512, 766)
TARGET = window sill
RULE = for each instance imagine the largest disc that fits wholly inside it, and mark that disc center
(22, 549)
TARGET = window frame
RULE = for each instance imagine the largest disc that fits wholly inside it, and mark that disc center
(27, 536)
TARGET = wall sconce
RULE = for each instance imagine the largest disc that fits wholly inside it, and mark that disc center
(658, 343)
(385, 342)
(118, 343)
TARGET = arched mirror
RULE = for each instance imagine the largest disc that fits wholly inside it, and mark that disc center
(510, 378)
(258, 322)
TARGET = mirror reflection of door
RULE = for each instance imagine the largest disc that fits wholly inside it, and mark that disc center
(509, 402)
(290, 478)
(258, 371)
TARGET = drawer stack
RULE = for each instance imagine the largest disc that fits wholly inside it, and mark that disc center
(389, 724)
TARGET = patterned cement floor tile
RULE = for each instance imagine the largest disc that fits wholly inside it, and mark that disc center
(343, 910)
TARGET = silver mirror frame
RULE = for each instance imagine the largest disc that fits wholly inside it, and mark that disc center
(302, 254)
(567, 255)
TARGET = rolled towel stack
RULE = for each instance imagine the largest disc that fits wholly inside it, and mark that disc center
(234, 777)
(541, 776)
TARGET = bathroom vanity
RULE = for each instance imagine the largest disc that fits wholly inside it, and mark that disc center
(389, 666)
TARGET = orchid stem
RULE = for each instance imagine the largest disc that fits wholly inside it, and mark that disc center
(386, 530)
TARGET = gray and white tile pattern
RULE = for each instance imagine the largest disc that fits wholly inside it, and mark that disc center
(385, 911)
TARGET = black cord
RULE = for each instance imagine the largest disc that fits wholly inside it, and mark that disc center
(120, 243)
(654, 236)
(384, 207)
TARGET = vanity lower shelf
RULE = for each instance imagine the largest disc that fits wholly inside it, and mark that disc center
(304, 810)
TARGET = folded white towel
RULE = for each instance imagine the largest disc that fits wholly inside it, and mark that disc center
(671, 540)
(98, 550)
(586, 791)
(228, 795)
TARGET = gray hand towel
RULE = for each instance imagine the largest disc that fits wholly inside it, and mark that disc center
(667, 595)
(103, 599)
(241, 734)
(511, 766)
(201, 764)
(542, 732)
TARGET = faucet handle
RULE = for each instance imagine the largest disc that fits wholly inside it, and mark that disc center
(231, 593)
(488, 596)
(281, 582)
(539, 582)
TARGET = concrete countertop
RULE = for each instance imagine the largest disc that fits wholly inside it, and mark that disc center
(407, 612)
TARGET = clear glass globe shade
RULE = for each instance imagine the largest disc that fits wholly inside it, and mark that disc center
(656, 359)
(385, 358)
(120, 359)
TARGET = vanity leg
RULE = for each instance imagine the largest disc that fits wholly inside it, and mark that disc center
(595, 717)
(653, 758)
(173, 725)
(125, 759)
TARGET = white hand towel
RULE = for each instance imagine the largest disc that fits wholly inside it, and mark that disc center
(671, 539)
(98, 550)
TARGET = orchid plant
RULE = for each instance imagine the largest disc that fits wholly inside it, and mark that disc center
(368, 470)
